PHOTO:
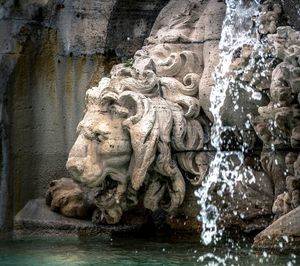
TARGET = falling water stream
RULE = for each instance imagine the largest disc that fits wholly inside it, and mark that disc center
(238, 30)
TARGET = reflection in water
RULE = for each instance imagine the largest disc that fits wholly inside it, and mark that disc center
(130, 251)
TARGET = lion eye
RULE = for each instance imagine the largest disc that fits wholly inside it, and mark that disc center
(100, 137)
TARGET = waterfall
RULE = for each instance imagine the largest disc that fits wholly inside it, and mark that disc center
(238, 30)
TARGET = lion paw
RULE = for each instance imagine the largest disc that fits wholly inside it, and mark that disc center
(68, 198)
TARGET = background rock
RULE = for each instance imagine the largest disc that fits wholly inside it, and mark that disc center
(283, 234)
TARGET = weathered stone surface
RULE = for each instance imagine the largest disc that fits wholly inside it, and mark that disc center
(130, 23)
(245, 203)
(269, 17)
(276, 125)
(45, 106)
(249, 208)
(263, 82)
(250, 72)
(264, 75)
(282, 235)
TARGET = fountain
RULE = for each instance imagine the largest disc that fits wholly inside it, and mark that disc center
(197, 132)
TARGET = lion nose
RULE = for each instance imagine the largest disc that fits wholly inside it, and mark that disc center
(74, 167)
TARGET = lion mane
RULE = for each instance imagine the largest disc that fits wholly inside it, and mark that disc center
(167, 128)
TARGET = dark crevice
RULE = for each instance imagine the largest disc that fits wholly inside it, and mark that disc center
(125, 19)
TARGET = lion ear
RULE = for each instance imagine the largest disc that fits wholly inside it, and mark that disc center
(119, 110)
(144, 133)
(109, 103)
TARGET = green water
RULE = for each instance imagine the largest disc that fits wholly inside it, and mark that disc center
(48, 251)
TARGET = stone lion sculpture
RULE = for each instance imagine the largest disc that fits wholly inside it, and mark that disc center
(142, 129)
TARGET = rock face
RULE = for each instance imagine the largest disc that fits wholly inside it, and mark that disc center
(278, 128)
(276, 123)
(267, 66)
(284, 109)
(51, 51)
(282, 235)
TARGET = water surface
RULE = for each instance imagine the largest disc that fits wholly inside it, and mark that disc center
(71, 251)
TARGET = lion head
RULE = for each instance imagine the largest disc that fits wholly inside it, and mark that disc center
(141, 130)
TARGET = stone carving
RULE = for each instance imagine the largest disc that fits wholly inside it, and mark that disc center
(141, 127)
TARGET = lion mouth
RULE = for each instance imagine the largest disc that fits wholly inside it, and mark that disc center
(105, 195)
